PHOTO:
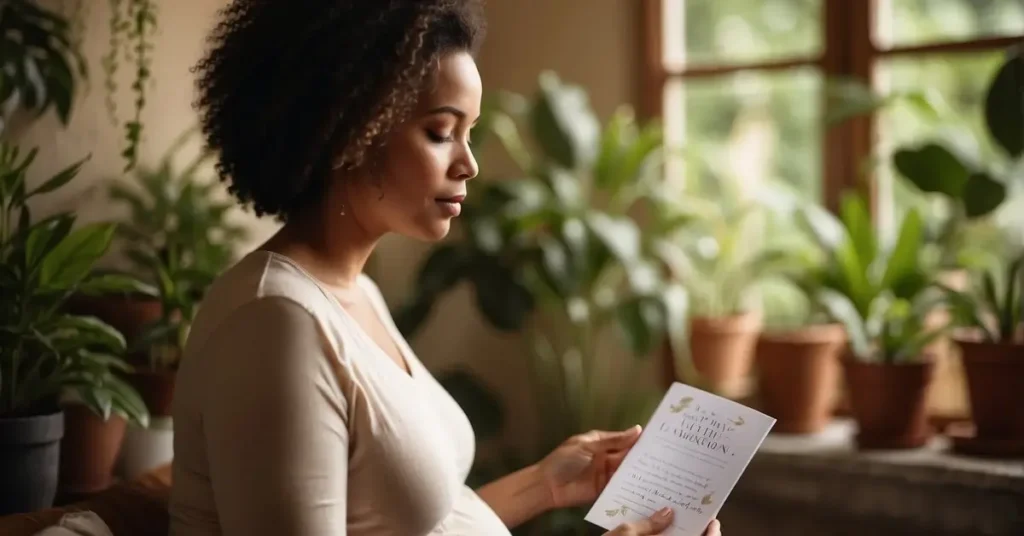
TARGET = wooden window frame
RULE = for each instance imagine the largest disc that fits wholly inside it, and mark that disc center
(849, 52)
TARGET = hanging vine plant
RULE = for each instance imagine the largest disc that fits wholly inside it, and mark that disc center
(132, 26)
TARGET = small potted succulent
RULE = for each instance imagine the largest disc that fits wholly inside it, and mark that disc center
(50, 359)
(992, 350)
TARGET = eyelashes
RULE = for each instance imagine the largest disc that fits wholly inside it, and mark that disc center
(440, 138)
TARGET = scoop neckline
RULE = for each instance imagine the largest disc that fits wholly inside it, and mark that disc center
(412, 373)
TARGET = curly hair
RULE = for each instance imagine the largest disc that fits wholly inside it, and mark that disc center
(289, 91)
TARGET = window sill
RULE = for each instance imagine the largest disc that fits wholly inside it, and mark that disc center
(823, 485)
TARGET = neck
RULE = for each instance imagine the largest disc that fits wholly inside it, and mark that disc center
(331, 246)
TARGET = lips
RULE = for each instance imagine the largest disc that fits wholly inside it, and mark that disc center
(453, 199)
(452, 206)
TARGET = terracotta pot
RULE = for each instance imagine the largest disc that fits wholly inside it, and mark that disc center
(995, 381)
(89, 450)
(156, 389)
(889, 402)
(798, 375)
(723, 348)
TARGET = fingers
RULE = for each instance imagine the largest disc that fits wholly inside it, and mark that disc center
(714, 528)
(652, 526)
(601, 440)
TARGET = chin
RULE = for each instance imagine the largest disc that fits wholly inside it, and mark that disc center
(435, 232)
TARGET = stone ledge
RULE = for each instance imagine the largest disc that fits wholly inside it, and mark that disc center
(922, 491)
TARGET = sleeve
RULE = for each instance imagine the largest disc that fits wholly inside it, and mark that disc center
(275, 422)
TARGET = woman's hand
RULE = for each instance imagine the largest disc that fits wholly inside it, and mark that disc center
(577, 471)
(657, 524)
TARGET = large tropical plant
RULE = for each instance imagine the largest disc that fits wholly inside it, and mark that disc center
(881, 293)
(973, 187)
(178, 238)
(46, 353)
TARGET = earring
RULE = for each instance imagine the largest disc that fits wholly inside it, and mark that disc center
(341, 211)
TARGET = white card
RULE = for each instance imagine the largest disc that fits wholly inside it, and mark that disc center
(689, 457)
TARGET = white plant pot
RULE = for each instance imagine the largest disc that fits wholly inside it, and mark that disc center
(145, 449)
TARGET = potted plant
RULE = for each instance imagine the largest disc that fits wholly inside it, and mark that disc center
(722, 257)
(798, 352)
(48, 356)
(882, 296)
(178, 238)
(992, 350)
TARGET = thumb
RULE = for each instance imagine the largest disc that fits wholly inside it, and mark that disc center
(656, 524)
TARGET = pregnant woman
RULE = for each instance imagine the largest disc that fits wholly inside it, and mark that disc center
(299, 409)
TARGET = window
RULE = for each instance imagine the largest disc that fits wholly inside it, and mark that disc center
(734, 77)
(739, 85)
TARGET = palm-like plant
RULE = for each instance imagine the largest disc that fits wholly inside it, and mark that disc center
(46, 353)
(179, 239)
(996, 306)
(882, 295)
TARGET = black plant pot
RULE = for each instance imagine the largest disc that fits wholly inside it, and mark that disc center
(29, 462)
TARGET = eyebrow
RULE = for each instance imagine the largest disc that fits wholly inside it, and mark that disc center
(450, 110)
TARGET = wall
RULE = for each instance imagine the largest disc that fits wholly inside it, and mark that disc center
(179, 42)
(589, 42)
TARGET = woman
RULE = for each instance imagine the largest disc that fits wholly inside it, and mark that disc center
(299, 408)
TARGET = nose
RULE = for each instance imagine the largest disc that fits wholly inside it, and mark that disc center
(465, 166)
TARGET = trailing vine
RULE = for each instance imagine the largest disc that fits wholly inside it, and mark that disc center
(132, 25)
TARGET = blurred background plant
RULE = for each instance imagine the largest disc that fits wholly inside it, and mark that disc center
(177, 237)
(40, 65)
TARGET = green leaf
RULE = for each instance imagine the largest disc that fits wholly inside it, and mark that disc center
(58, 180)
(565, 127)
(842, 310)
(556, 266)
(857, 219)
(641, 322)
(1004, 105)
(619, 234)
(442, 269)
(982, 195)
(126, 400)
(903, 261)
(98, 401)
(88, 330)
(72, 259)
(933, 168)
(481, 404)
(504, 302)
(114, 284)
(43, 237)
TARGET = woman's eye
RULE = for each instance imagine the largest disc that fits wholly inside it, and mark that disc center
(438, 138)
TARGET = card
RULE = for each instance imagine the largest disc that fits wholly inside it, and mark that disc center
(689, 457)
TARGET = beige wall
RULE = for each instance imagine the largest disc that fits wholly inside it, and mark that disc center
(178, 45)
(590, 42)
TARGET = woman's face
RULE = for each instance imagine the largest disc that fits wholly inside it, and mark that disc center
(419, 184)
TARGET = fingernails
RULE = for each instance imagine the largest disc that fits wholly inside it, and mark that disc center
(663, 513)
(635, 429)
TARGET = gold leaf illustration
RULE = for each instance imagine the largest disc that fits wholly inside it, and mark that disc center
(683, 404)
(616, 512)
(707, 499)
(739, 421)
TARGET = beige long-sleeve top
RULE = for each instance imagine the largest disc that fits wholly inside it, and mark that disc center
(290, 421)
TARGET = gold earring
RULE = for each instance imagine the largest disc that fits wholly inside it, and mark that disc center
(341, 212)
